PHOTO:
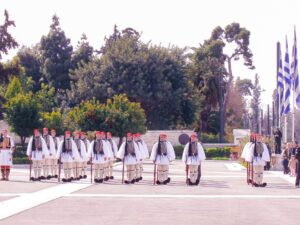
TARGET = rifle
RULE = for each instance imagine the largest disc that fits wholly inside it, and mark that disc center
(30, 167)
(123, 169)
(154, 174)
(59, 167)
(252, 173)
(186, 172)
(248, 171)
(91, 168)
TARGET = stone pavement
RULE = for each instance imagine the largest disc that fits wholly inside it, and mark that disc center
(223, 197)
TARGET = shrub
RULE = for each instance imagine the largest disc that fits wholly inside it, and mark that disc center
(178, 150)
(217, 152)
(209, 138)
(20, 160)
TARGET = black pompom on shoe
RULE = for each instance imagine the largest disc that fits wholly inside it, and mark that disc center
(137, 179)
(158, 182)
(84, 176)
(111, 177)
(64, 180)
(141, 178)
(133, 181)
(49, 177)
(127, 182)
(168, 180)
(32, 178)
(106, 178)
(100, 181)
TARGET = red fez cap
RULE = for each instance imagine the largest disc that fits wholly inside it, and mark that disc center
(45, 129)
(76, 132)
(68, 132)
(36, 130)
(53, 130)
(82, 133)
(108, 133)
(98, 132)
(193, 135)
(103, 133)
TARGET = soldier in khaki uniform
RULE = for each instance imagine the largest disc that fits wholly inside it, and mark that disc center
(162, 154)
(7, 147)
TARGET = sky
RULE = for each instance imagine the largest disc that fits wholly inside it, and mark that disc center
(176, 22)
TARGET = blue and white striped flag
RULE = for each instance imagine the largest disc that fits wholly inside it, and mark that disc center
(287, 81)
(294, 72)
(280, 85)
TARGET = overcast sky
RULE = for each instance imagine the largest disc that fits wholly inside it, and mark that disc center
(178, 22)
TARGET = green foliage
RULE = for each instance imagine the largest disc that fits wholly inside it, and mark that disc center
(209, 138)
(220, 158)
(21, 160)
(14, 88)
(22, 114)
(178, 150)
(217, 152)
(83, 54)
(6, 41)
(56, 53)
(53, 120)
(46, 97)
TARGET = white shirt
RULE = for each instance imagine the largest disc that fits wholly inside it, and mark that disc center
(193, 160)
(163, 159)
(257, 160)
(99, 158)
(129, 159)
(71, 156)
(37, 155)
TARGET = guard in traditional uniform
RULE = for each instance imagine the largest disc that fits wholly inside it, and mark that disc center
(192, 156)
(7, 147)
(52, 154)
(37, 151)
(68, 154)
(79, 162)
(130, 155)
(99, 152)
(258, 155)
(53, 160)
(144, 155)
(87, 147)
(113, 148)
(162, 154)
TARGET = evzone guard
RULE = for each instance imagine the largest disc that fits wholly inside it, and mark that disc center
(7, 147)
(53, 160)
(113, 148)
(87, 147)
(162, 154)
(144, 155)
(67, 154)
(129, 154)
(245, 152)
(193, 155)
(78, 164)
(99, 153)
(258, 154)
(49, 160)
(37, 151)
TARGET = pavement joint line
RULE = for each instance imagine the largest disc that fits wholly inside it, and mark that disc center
(234, 166)
(283, 176)
(19, 204)
(185, 196)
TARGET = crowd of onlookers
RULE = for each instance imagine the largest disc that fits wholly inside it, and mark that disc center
(291, 157)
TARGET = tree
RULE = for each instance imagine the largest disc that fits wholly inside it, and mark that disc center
(255, 104)
(83, 53)
(53, 120)
(14, 88)
(30, 60)
(238, 39)
(46, 97)
(6, 40)
(152, 75)
(23, 115)
(56, 52)
(124, 116)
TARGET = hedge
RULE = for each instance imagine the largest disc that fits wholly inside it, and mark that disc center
(209, 152)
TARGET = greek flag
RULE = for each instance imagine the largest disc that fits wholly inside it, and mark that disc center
(287, 81)
(280, 85)
(294, 72)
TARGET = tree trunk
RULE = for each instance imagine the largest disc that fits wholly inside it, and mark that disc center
(223, 107)
(23, 138)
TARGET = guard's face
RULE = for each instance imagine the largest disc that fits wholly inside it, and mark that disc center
(4, 132)
(129, 138)
(53, 133)
(83, 136)
(36, 133)
(108, 135)
(193, 139)
(45, 132)
(98, 136)
(68, 135)
(76, 136)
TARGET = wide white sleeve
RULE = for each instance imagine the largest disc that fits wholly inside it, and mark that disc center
(44, 147)
(243, 155)
(145, 148)
(185, 152)
(83, 150)
(106, 149)
(154, 152)
(52, 145)
(266, 155)
(110, 150)
(121, 151)
(201, 152)
(29, 147)
(75, 152)
(115, 147)
(59, 149)
(171, 152)
(138, 151)
(12, 145)
(249, 153)
(90, 151)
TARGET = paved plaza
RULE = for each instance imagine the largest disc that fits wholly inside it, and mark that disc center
(223, 197)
